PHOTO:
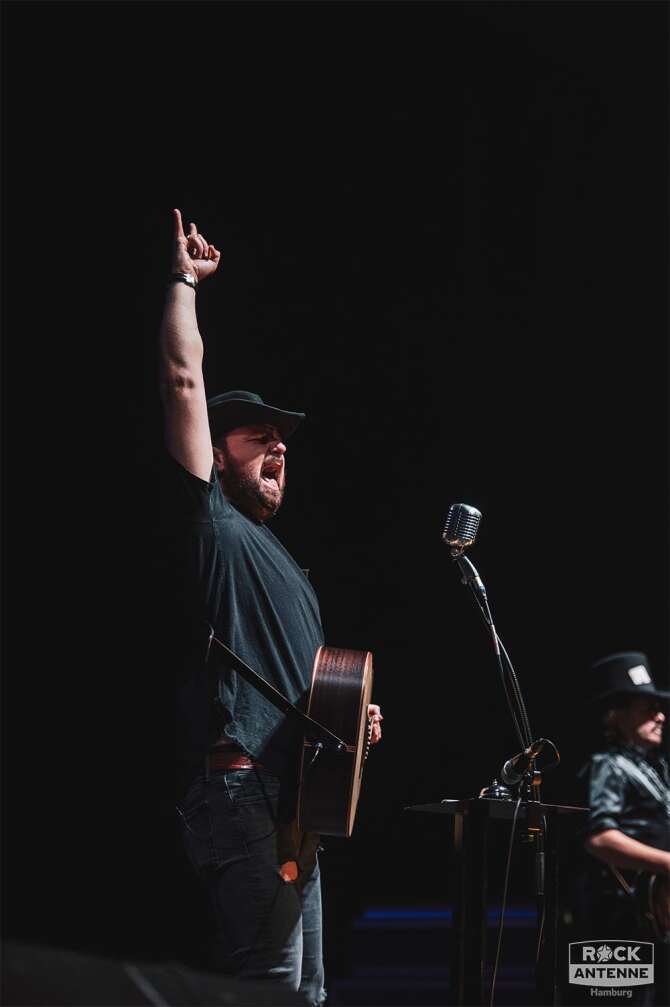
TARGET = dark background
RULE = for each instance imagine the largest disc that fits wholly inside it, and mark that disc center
(444, 235)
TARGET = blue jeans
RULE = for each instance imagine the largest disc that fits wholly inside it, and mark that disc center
(266, 928)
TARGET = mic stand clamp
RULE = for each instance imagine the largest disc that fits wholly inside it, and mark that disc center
(469, 575)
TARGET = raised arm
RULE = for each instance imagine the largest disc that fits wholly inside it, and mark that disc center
(181, 352)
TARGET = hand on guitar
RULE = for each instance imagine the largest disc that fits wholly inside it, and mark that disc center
(375, 716)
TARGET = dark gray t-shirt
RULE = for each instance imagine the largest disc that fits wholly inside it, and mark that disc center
(234, 575)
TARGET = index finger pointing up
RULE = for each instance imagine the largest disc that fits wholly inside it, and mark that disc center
(178, 228)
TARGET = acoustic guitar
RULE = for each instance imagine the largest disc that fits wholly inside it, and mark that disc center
(330, 781)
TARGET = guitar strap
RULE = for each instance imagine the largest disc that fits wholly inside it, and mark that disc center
(622, 881)
(313, 730)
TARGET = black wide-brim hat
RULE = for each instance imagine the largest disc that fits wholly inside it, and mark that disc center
(623, 675)
(240, 409)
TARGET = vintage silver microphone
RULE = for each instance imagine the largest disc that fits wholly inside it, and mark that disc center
(461, 526)
(460, 531)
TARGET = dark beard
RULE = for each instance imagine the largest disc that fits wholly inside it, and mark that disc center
(249, 496)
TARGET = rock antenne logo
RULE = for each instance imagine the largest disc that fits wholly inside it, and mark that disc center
(611, 963)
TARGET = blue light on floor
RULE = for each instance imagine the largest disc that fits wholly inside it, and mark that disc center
(407, 914)
(411, 916)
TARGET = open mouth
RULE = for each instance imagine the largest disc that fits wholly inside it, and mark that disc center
(270, 476)
(270, 473)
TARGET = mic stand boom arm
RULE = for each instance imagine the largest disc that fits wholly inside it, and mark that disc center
(471, 578)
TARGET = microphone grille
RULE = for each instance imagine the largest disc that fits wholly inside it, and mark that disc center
(461, 525)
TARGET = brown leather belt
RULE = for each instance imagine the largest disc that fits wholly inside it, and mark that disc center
(229, 758)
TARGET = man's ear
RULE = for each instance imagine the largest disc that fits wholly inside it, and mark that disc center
(219, 458)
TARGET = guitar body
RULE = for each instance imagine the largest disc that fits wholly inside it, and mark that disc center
(331, 784)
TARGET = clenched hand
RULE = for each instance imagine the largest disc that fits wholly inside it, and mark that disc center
(192, 253)
(375, 716)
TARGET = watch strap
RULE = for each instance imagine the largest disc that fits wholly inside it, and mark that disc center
(187, 278)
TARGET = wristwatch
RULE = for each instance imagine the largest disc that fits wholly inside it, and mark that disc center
(187, 278)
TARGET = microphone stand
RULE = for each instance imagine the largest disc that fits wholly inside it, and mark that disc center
(530, 783)
(474, 819)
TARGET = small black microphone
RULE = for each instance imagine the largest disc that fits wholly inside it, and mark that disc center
(513, 770)
(460, 529)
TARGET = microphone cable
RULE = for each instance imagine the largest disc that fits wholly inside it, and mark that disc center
(540, 931)
(515, 701)
(504, 901)
(517, 693)
(516, 705)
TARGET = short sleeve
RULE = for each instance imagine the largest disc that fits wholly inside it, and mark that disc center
(606, 795)
(189, 558)
(186, 499)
